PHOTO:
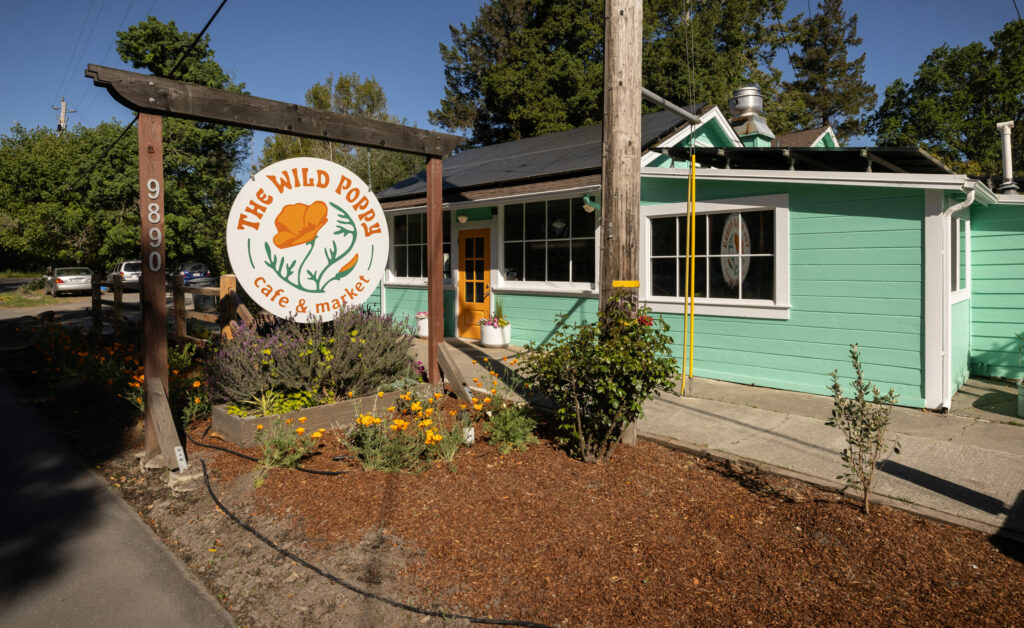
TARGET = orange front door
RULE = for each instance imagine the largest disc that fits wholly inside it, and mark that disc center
(474, 280)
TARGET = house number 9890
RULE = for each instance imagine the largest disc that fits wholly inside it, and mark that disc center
(156, 233)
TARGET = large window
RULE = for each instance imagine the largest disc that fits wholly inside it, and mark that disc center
(409, 237)
(740, 262)
(734, 255)
(549, 241)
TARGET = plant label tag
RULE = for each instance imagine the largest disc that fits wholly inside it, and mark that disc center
(179, 453)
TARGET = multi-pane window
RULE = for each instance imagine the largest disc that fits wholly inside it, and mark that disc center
(549, 241)
(734, 255)
(409, 237)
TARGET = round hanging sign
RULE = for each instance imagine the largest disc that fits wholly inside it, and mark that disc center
(735, 242)
(306, 238)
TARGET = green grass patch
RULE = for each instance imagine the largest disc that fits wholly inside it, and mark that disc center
(20, 299)
(19, 274)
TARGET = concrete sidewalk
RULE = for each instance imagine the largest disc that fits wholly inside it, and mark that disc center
(965, 467)
(72, 553)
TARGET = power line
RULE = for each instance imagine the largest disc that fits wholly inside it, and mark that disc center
(1017, 8)
(74, 50)
(136, 118)
(103, 60)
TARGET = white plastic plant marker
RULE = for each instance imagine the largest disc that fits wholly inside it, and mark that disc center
(179, 453)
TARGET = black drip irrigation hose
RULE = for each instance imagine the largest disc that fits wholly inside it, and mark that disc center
(352, 587)
(254, 459)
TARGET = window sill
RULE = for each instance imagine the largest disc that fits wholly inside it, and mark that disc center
(722, 307)
(413, 282)
(959, 296)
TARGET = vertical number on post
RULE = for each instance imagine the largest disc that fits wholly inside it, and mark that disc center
(156, 234)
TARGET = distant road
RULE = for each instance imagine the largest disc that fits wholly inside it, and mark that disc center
(10, 284)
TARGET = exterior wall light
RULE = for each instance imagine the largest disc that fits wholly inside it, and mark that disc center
(463, 218)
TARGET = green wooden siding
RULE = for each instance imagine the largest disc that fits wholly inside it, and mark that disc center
(960, 330)
(406, 302)
(534, 317)
(710, 133)
(855, 277)
(997, 290)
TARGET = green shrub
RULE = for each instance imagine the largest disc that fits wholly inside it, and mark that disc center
(511, 427)
(411, 439)
(283, 445)
(600, 374)
(864, 424)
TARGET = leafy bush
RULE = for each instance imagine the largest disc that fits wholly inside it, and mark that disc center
(359, 352)
(511, 427)
(600, 374)
(864, 424)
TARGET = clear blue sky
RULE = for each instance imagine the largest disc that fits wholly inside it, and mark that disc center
(279, 49)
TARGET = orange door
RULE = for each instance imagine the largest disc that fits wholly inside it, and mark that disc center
(474, 280)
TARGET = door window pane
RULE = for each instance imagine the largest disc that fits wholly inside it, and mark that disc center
(478, 290)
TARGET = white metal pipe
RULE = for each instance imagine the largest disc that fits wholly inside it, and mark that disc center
(1008, 186)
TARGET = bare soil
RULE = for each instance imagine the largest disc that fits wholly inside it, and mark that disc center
(655, 537)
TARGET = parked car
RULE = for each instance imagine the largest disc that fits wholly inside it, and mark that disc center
(68, 279)
(192, 274)
(130, 273)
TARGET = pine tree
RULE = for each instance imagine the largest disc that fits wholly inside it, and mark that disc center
(831, 85)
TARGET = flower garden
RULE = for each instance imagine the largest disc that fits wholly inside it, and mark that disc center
(491, 508)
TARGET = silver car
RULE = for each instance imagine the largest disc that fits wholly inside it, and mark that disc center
(130, 273)
(70, 279)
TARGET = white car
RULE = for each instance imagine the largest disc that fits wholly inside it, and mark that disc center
(130, 273)
(70, 279)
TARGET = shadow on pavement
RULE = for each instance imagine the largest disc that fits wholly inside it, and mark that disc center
(952, 490)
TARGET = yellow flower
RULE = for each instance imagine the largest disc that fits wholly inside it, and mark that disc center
(493, 374)
(416, 406)
(302, 419)
(351, 394)
(196, 384)
(380, 394)
(474, 400)
(315, 435)
(438, 395)
(288, 421)
(452, 412)
(486, 360)
(428, 412)
(174, 371)
(197, 400)
(399, 425)
(391, 408)
(476, 379)
(494, 381)
(487, 399)
(425, 423)
(478, 406)
(474, 361)
(259, 427)
(300, 430)
(515, 361)
(494, 391)
(463, 406)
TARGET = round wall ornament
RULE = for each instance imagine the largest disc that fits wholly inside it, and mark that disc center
(306, 237)
(735, 242)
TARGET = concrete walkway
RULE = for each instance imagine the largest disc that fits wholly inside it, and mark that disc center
(72, 553)
(965, 467)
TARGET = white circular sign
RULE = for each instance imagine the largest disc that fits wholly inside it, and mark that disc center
(306, 238)
(735, 241)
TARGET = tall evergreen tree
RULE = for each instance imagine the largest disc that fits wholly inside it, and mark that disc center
(831, 85)
(529, 67)
(353, 95)
(957, 97)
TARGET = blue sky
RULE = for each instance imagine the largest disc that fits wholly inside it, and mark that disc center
(279, 49)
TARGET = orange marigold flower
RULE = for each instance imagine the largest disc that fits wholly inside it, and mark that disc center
(288, 421)
(259, 427)
(416, 406)
(351, 394)
(473, 399)
(474, 361)
(425, 423)
(198, 400)
(380, 394)
(391, 408)
(196, 384)
(428, 412)
(494, 391)
(438, 395)
(476, 379)
(299, 223)
(300, 430)
(478, 406)
(487, 399)
(316, 435)
(302, 419)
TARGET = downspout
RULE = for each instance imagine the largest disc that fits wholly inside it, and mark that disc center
(947, 308)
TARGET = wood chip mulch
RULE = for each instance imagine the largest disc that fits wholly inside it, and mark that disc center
(656, 537)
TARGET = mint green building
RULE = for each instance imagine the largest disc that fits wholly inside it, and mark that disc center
(804, 248)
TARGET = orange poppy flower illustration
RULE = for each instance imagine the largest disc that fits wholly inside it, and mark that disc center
(299, 223)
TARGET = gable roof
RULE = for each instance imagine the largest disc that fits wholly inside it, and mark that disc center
(555, 155)
(801, 139)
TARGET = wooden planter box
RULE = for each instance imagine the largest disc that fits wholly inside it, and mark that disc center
(242, 430)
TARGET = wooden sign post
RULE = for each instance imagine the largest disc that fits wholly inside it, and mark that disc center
(152, 293)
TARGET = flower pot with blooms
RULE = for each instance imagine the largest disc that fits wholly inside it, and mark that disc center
(422, 325)
(495, 332)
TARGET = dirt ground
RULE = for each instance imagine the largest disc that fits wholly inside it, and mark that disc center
(655, 537)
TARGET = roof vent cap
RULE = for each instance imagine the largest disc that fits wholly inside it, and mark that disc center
(746, 102)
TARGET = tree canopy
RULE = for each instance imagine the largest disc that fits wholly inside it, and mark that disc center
(955, 100)
(830, 85)
(353, 95)
(530, 67)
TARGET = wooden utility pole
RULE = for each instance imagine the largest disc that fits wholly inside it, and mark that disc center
(620, 159)
(435, 270)
(153, 292)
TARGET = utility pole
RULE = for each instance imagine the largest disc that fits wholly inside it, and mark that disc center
(62, 118)
(620, 159)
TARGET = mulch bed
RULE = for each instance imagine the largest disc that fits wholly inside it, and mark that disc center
(656, 537)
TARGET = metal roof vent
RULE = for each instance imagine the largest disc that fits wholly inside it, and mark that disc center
(746, 102)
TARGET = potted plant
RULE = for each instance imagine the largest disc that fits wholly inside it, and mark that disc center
(422, 325)
(494, 332)
(506, 326)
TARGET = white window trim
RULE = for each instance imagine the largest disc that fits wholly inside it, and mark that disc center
(553, 288)
(778, 309)
(961, 294)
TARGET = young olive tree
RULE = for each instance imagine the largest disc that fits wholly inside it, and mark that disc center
(864, 424)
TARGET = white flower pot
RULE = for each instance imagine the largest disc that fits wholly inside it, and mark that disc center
(422, 327)
(492, 336)
(506, 334)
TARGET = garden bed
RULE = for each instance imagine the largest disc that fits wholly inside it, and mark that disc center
(654, 537)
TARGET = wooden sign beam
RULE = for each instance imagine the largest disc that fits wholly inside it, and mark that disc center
(167, 97)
